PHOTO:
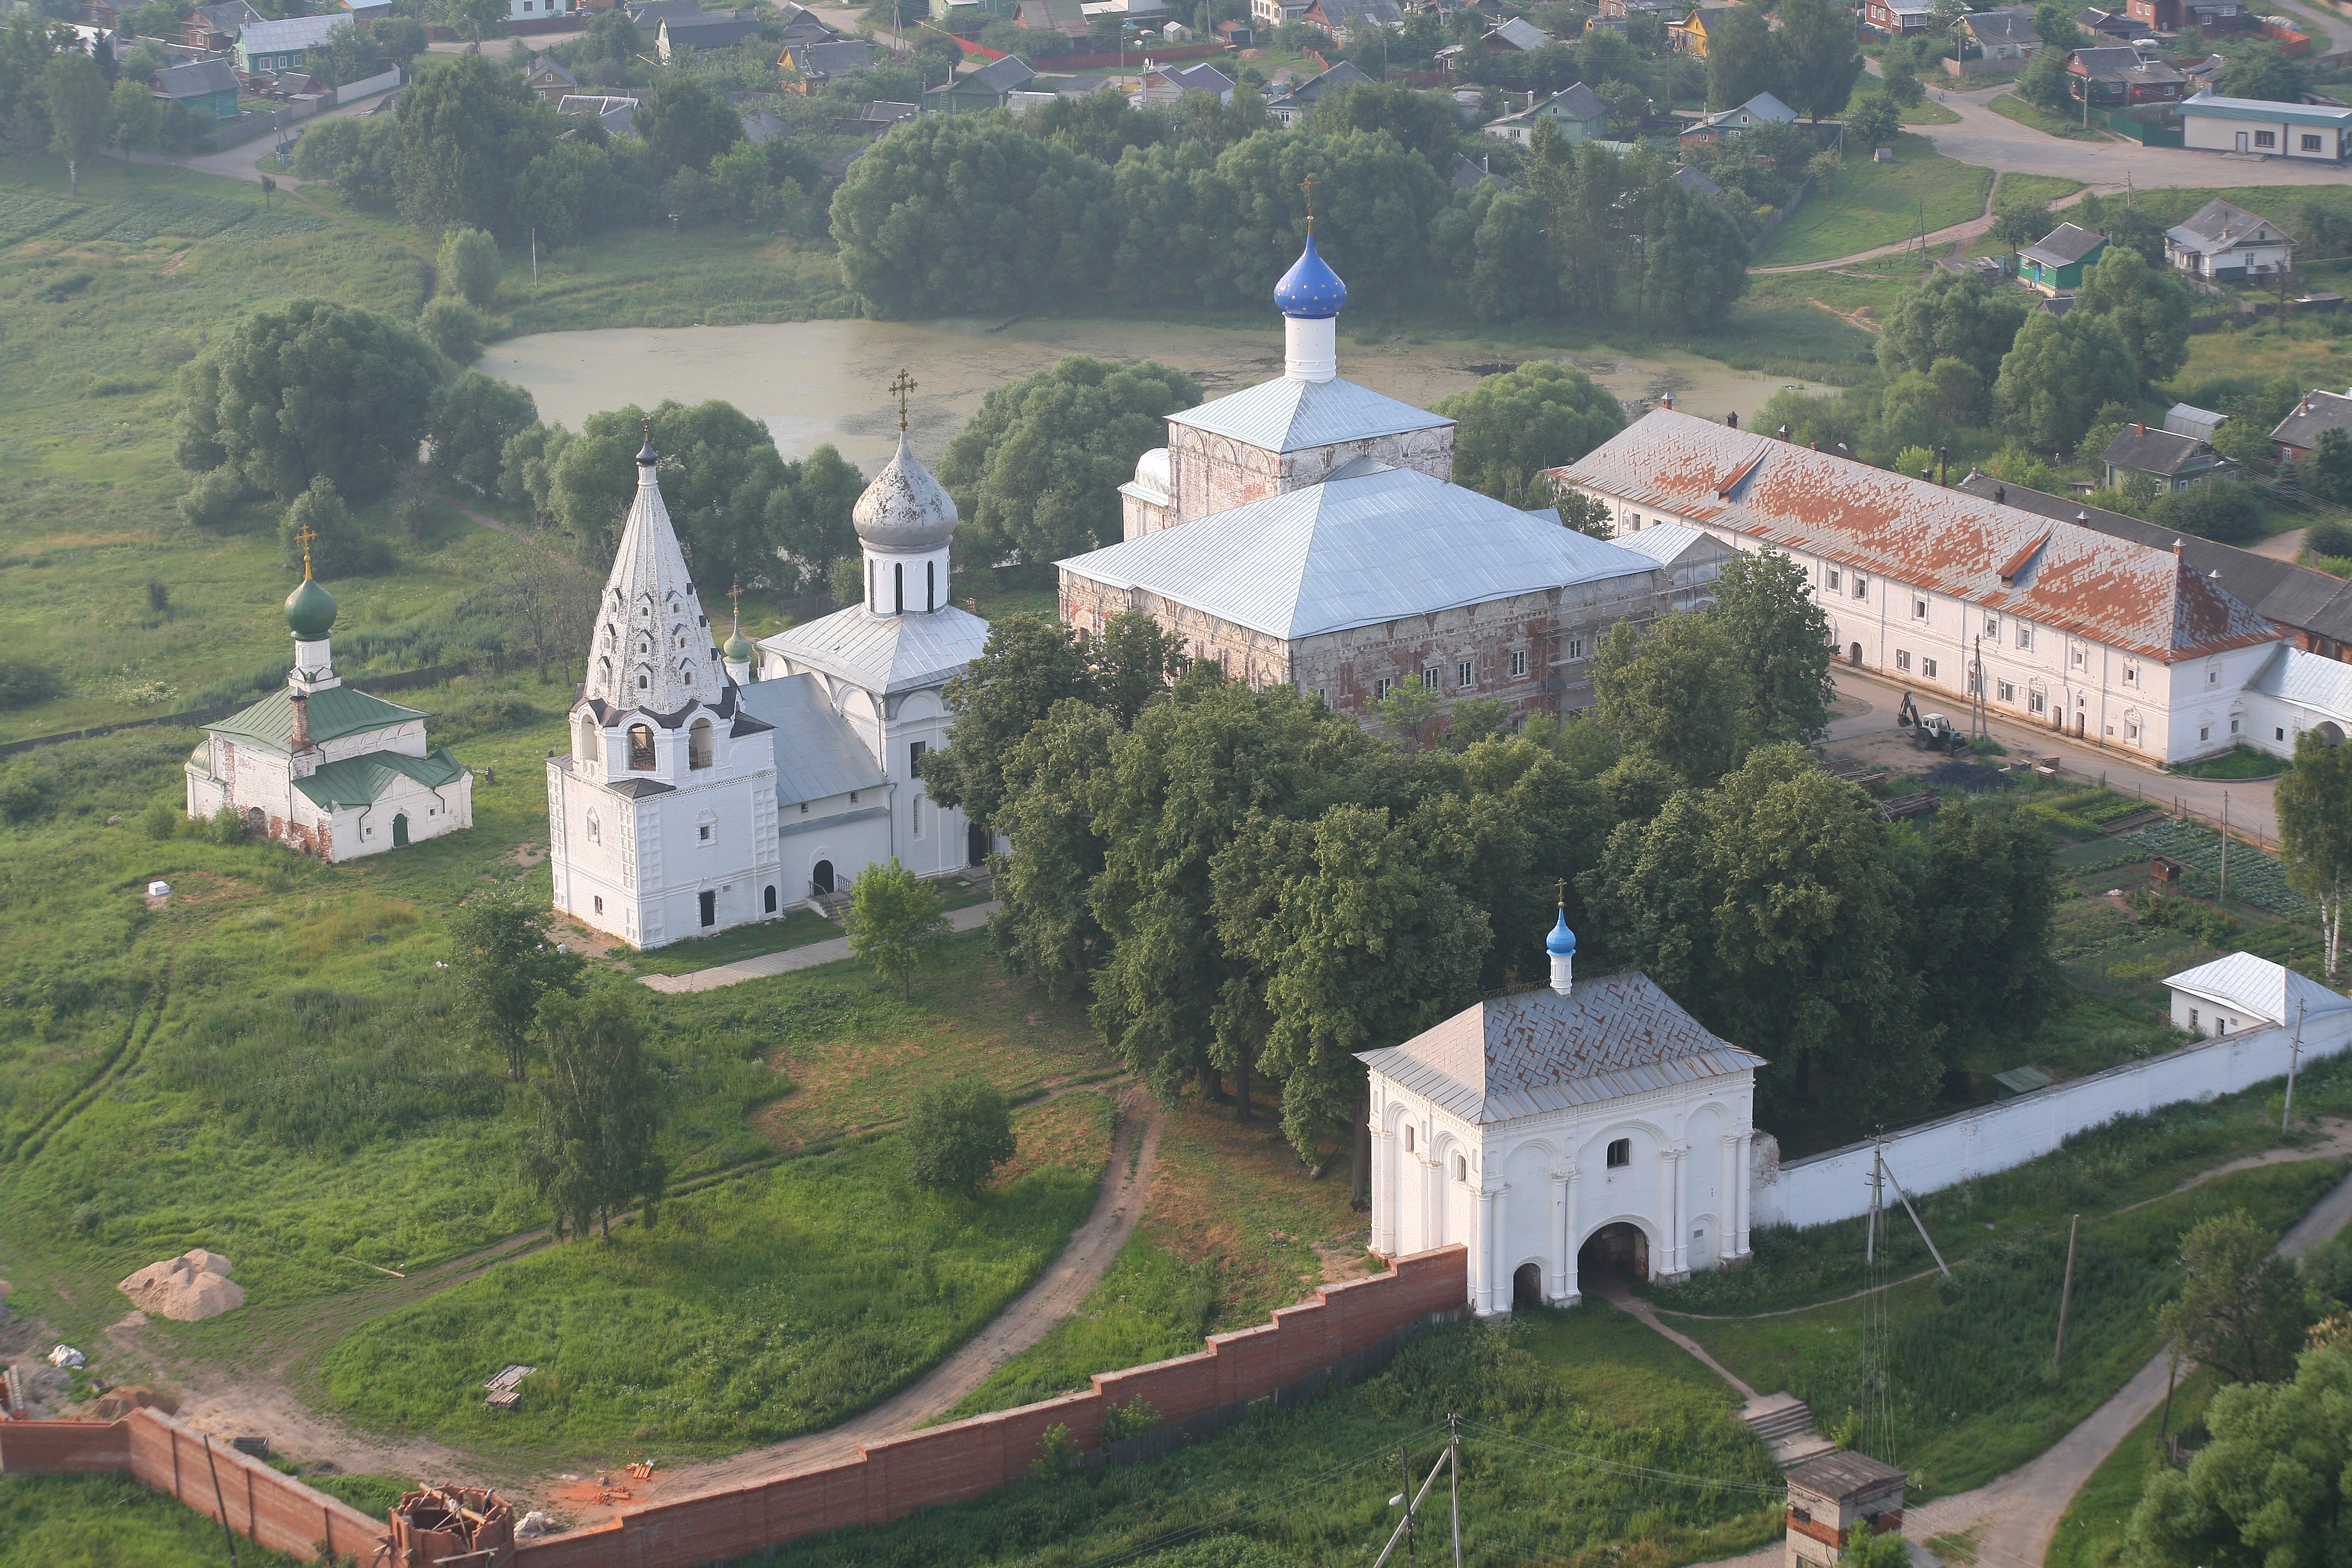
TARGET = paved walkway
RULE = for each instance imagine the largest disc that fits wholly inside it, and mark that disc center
(1118, 1208)
(969, 918)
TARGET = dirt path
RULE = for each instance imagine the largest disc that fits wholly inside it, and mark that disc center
(808, 956)
(494, 525)
(1055, 1295)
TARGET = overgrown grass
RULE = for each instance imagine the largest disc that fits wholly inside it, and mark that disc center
(2240, 762)
(2091, 1533)
(1953, 1377)
(1556, 1405)
(771, 1306)
(2009, 106)
(1869, 203)
(2015, 189)
(109, 1521)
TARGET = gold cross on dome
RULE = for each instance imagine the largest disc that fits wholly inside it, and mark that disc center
(1309, 184)
(1563, 892)
(735, 595)
(899, 389)
(303, 539)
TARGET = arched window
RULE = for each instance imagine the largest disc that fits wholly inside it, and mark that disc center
(899, 577)
(256, 821)
(1461, 1169)
(697, 744)
(930, 584)
(641, 747)
(768, 900)
(645, 645)
(590, 743)
(595, 825)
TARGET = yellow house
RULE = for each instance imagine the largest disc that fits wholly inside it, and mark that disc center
(1689, 35)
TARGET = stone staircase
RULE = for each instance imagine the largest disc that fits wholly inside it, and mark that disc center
(1785, 1425)
(830, 905)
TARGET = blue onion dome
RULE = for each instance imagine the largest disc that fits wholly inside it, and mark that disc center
(311, 611)
(1562, 941)
(1310, 289)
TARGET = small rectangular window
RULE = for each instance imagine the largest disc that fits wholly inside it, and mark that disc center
(2131, 729)
(2078, 658)
(1322, 697)
(1861, 586)
(2037, 702)
(600, 905)
(2024, 636)
(2194, 1022)
(2005, 691)
(803, 808)
(2311, 144)
(2131, 675)
(1901, 659)
(703, 833)
(2265, 138)
(2233, 726)
(1461, 675)
(1620, 1152)
(1928, 669)
(2204, 732)
(2213, 677)
(1519, 663)
(1830, 580)
(915, 750)
(1919, 609)
(1992, 627)
(1429, 679)
(1380, 689)
(1576, 647)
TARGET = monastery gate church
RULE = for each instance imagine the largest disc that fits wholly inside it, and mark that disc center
(709, 787)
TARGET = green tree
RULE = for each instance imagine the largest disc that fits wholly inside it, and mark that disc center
(2147, 305)
(1047, 929)
(132, 118)
(2331, 466)
(473, 418)
(811, 522)
(472, 16)
(684, 124)
(1951, 316)
(1696, 258)
(1405, 711)
(1544, 414)
(1030, 663)
(965, 212)
(455, 328)
(1744, 57)
(2268, 1486)
(398, 40)
(468, 266)
(1868, 1548)
(1781, 643)
(506, 963)
(467, 131)
(2020, 224)
(957, 1133)
(73, 90)
(1673, 690)
(595, 1110)
(2044, 80)
(568, 193)
(338, 549)
(2054, 21)
(2063, 370)
(1134, 659)
(1921, 408)
(1515, 269)
(1817, 53)
(1374, 203)
(2315, 819)
(2242, 1309)
(720, 475)
(305, 390)
(2221, 512)
(1038, 467)
(2261, 70)
(894, 922)
(1984, 909)
(1874, 121)
(1423, 122)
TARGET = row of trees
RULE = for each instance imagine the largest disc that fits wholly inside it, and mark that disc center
(967, 213)
(1250, 887)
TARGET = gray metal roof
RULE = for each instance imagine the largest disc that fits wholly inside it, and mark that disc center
(2263, 110)
(1354, 552)
(2013, 26)
(2269, 990)
(2308, 680)
(818, 752)
(2218, 226)
(1843, 1474)
(1535, 1051)
(2153, 451)
(1286, 415)
(1665, 542)
(2318, 410)
(2066, 244)
(885, 653)
(196, 79)
(1000, 76)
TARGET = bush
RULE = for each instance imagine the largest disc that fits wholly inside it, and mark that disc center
(957, 1133)
(454, 327)
(2225, 513)
(225, 826)
(2329, 539)
(485, 714)
(468, 266)
(160, 820)
(23, 682)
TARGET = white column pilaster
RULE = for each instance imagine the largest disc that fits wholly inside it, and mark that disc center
(1482, 1261)
(1743, 1178)
(1570, 1225)
(1387, 1188)
(1555, 1280)
(1680, 1176)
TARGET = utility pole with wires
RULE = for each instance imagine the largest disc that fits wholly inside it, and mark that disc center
(2066, 1294)
(2223, 901)
(2294, 1059)
(1450, 1461)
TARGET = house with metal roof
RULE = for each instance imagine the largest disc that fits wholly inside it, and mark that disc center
(1899, 19)
(2312, 132)
(2121, 77)
(1335, 17)
(2004, 35)
(546, 77)
(324, 768)
(2226, 244)
(1690, 34)
(2104, 638)
(2056, 263)
(711, 30)
(206, 87)
(1517, 36)
(283, 46)
(1562, 1132)
(1692, 559)
(2296, 437)
(2240, 993)
(2170, 461)
(1576, 112)
(1296, 105)
(1165, 86)
(976, 91)
(1761, 109)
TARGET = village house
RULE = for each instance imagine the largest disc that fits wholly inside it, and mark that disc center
(2225, 244)
(979, 90)
(1837, 1500)
(711, 30)
(2296, 437)
(1062, 17)
(204, 86)
(617, 112)
(2103, 639)
(547, 78)
(1165, 86)
(1235, 34)
(1689, 36)
(1761, 109)
(1997, 36)
(1563, 1131)
(1693, 560)
(263, 47)
(2161, 458)
(2240, 993)
(2108, 24)
(1336, 17)
(1899, 19)
(215, 28)
(1293, 107)
(2122, 79)
(807, 67)
(2315, 132)
(1575, 111)
(1517, 36)
(2056, 263)
(538, 10)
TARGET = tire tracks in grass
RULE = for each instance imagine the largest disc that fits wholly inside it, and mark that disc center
(111, 1071)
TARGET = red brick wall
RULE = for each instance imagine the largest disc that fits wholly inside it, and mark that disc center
(63, 1447)
(955, 1463)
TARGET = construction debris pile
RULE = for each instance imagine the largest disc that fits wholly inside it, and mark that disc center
(448, 1524)
(192, 1286)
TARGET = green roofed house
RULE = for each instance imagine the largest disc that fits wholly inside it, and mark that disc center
(325, 767)
(2056, 264)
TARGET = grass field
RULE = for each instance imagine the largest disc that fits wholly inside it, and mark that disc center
(1870, 204)
(1558, 1406)
(2013, 189)
(2009, 106)
(1951, 1380)
(109, 1521)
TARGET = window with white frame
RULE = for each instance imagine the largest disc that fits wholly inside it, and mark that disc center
(1918, 608)
(1992, 627)
(1380, 689)
(2204, 732)
(2212, 675)
(1519, 663)
(2131, 727)
(1830, 580)
(2037, 702)
(2131, 675)
(1861, 586)
(1429, 679)
(2024, 636)
(1620, 1152)
(1461, 675)
(1928, 669)
(2078, 654)
(1901, 659)
(2005, 691)
(1576, 647)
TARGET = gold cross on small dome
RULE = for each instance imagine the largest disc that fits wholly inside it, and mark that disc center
(1309, 184)
(303, 539)
(899, 389)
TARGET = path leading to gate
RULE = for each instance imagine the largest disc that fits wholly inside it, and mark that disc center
(1118, 1208)
(969, 918)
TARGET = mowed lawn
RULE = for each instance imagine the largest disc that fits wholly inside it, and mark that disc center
(1870, 204)
(766, 1306)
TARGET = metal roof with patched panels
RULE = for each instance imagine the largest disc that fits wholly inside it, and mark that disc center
(2127, 595)
(357, 781)
(1533, 1051)
(337, 711)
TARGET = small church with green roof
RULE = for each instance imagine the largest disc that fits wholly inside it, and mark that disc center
(323, 767)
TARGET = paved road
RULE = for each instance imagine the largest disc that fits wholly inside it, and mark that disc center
(1991, 141)
(969, 918)
(2250, 806)
(240, 162)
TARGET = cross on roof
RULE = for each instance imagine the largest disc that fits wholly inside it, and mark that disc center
(899, 389)
(1309, 184)
(303, 538)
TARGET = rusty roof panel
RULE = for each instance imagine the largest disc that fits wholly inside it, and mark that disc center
(2127, 594)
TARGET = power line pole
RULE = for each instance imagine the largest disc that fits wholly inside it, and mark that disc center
(1454, 1479)
(2224, 901)
(2294, 1056)
(2066, 1292)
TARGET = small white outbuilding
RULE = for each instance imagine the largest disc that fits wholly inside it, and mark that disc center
(2240, 993)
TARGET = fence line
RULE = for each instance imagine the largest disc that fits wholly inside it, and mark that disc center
(403, 681)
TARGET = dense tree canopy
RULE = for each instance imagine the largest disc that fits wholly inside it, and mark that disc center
(2271, 1488)
(1038, 469)
(595, 1112)
(2149, 307)
(1540, 415)
(2261, 70)
(684, 124)
(2314, 816)
(473, 418)
(308, 390)
(2063, 370)
(1952, 315)
(1818, 55)
(467, 131)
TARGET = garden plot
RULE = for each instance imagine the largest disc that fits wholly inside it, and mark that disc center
(2254, 877)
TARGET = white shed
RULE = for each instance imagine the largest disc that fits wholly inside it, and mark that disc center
(2234, 995)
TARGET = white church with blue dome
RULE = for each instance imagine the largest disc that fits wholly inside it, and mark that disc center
(1564, 1130)
(1307, 531)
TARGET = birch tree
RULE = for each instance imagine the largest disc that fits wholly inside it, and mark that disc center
(2314, 812)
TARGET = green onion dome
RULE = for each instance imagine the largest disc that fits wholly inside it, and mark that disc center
(311, 611)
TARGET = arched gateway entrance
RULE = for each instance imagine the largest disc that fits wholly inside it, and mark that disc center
(1620, 1249)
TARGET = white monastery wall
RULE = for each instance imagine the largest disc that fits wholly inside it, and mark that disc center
(1822, 1188)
